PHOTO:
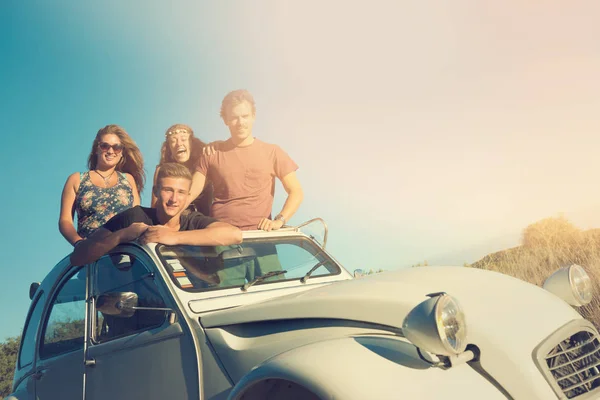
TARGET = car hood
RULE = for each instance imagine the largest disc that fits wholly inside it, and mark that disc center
(487, 297)
(506, 318)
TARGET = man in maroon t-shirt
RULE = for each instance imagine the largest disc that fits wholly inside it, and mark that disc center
(243, 171)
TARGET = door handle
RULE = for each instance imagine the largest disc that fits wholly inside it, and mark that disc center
(90, 362)
(37, 375)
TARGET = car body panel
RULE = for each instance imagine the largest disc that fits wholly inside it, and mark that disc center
(241, 347)
(333, 336)
(161, 354)
(60, 377)
(332, 370)
(386, 299)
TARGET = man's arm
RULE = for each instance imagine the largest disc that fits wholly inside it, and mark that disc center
(292, 186)
(215, 234)
(102, 241)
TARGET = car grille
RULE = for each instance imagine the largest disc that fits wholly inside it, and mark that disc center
(574, 363)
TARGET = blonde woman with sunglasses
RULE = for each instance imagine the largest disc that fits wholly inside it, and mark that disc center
(113, 184)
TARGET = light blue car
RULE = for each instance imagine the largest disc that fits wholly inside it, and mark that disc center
(278, 318)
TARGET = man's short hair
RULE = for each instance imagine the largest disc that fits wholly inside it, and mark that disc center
(173, 170)
(234, 98)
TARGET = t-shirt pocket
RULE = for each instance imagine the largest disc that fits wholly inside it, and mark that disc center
(257, 178)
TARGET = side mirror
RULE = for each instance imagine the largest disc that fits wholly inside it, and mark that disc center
(32, 289)
(122, 262)
(118, 304)
(358, 273)
(123, 304)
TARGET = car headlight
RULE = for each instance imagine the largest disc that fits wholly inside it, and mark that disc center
(437, 325)
(572, 284)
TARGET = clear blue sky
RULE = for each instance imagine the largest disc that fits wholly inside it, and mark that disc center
(421, 128)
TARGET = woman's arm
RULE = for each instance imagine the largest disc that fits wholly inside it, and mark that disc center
(67, 209)
(136, 194)
(198, 182)
(154, 198)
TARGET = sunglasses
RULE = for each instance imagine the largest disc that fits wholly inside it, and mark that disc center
(117, 148)
(182, 132)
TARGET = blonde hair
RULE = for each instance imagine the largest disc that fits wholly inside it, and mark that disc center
(234, 98)
(131, 161)
(173, 170)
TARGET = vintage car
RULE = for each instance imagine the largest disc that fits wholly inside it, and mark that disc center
(277, 317)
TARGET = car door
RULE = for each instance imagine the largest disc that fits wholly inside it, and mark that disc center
(147, 355)
(59, 366)
(25, 376)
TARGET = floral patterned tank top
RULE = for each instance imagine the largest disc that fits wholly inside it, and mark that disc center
(96, 205)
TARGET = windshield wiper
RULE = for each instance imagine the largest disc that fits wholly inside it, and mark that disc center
(261, 278)
(313, 269)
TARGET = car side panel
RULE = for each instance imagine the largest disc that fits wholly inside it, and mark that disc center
(241, 347)
(60, 377)
(153, 362)
(25, 389)
(159, 363)
(332, 369)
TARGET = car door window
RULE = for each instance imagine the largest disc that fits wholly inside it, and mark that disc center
(65, 324)
(120, 273)
(31, 327)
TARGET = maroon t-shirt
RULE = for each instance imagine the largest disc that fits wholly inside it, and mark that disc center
(244, 181)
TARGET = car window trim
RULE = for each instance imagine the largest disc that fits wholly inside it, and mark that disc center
(148, 263)
(34, 304)
(56, 288)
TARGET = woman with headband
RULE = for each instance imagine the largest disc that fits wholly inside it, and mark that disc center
(181, 146)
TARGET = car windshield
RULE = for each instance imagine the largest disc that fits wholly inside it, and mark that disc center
(202, 268)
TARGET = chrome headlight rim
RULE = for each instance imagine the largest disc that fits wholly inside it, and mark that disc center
(581, 284)
(437, 325)
(442, 324)
(572, 284)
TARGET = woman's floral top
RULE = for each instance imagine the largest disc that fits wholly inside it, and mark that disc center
(96, 205)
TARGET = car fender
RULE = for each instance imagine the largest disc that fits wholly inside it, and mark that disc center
(337, 369)
(24, 389)
(16, 396)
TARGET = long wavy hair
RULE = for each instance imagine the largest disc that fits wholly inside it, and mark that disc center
(195, 152)
(131, 161)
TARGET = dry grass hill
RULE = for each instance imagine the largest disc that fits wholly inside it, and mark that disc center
(546, 246)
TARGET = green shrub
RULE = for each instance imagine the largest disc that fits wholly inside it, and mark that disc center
(8, 357)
